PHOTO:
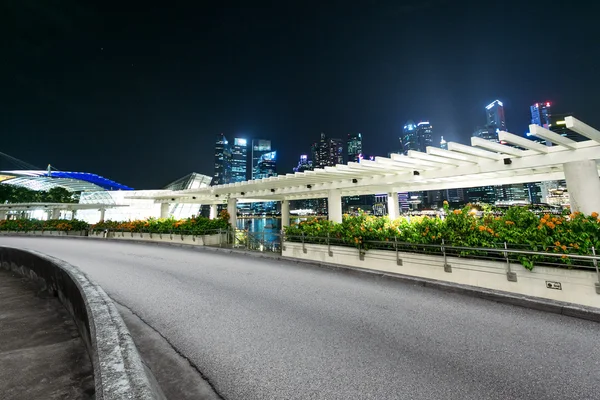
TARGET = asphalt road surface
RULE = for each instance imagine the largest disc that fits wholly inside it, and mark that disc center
(266, 329)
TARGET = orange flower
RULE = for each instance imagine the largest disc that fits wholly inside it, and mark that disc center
(433, 236)
(557, 243)
(481, 228)
(594, 214)
(509, 223)
(490, 230)
(550, 225)
(563, 247)
(456, 212)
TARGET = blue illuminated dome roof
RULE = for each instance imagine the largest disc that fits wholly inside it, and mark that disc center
(72, 181)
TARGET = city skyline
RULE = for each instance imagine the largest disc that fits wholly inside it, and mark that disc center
(153, 90)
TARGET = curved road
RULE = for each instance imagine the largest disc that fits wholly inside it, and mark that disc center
(266, 329)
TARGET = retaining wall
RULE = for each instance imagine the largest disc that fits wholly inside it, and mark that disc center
(197, 240)
(119, 372)
(561, 284)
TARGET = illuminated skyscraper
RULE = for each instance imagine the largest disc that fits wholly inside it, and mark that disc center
(495, 115)
(222, 174)
(354, 146)
(304, 164)
(424, 135)
(409, 137)
(443, 144)
(239, 160)
(259, 148)
(327, 152)
(540, 114)
(266, 166)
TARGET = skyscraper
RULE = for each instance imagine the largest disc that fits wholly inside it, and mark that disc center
(259, 148)
(266, 166)
(327, 152)
(495, 115)
(354, 146)
(540, 114)
(304, 164)
(222, 174)
(424, 135)
(409, 137)
(443, 144)
(239, 160)
(558, 125)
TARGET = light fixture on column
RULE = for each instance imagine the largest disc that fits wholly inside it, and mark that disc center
(416, 173)
(172, 199)
(194, 197)
(216, 195)
(354, 180)
(507, 161)
(308, 186)
(243, 193)
(272, 190)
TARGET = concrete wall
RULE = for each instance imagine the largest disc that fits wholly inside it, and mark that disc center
(118, 369)
(45, 233)
(577, 286)
(200, 240)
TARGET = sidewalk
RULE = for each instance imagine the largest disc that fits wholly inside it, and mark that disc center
(41, 354)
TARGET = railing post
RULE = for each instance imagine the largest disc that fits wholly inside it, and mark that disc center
(329, 246)
(398, 259)
(282, 240)
(597, 271)
(510, 276)
(303, 244)
(263, 243)
(447, 267)
(220, 238)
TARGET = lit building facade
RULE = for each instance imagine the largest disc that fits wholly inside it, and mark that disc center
(424, 135)
(304, 164)
(239, 160)
(327, 152)
(443, 144)
(266, 166)
(260, 147)
(222, 173)
(540, 114)
(495, 115)
(354, 146)
(409, 139)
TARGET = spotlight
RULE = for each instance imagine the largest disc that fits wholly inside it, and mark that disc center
(308, 186)
(354, 180)
(194, 197)
(416, 173)
(272, 190)
(216, 195)
(172, 199)
(507, 161)
(243, 193)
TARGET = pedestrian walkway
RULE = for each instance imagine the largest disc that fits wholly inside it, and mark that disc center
(41, 353)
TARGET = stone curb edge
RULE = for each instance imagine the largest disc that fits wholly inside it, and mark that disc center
(535, 303)
(119, 372)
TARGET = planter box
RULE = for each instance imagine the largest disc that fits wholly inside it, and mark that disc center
(45, 233)
(576, 286)
(197, 240)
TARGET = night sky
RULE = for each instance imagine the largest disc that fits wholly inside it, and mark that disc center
(136, 92)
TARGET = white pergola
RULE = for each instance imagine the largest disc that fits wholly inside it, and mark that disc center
(53, 209)
(515, 160)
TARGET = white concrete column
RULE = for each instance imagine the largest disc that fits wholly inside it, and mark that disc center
(232, 210)
(285, 213)
(393, 206)
(55, 213)
(102, 214)
(213, 211)
(3, 215)
(73, 214)
(583, 185)
(164, 210)
(334, 205)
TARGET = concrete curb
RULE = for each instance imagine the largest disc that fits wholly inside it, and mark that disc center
(119, 372)
(535, 303)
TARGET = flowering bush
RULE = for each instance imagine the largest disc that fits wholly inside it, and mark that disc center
(518, 227)
(28, 225)
(188, 226)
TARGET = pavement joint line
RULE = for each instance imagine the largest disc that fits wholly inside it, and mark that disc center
(194, 366)
(535, 303)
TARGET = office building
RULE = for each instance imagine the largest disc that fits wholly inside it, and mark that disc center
(327, 152)
(222, 173)
(558, 125)
(266, 166)
(540, 114)
(260, 147)
(239, 160)
(495, 116)
(424, 135)
(354, 146)
(487, 133)
(409, 139)
(304, 164)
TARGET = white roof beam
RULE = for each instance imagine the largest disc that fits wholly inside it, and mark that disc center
(553, 137)
(522, 142)
(416, 163)
(433, 159)
(461, 148)
(436, 151)
(493, 146)
(582, 128)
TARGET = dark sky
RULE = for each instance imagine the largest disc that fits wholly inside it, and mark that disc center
(137, 92)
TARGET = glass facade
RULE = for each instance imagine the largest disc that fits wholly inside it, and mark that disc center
(495, 115)
(266, 166)
(540, 114)
(409, 137)
(354, 146)
(327, 152)
(222, 174)
(239, 160)
(259, 148)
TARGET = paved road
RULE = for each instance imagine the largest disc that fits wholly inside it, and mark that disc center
(265, 329)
